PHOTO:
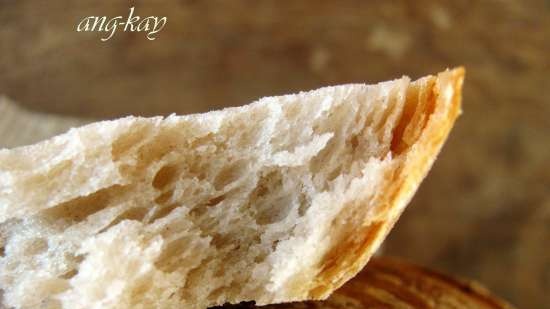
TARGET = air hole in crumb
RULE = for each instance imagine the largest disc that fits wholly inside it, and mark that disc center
(269, 200)
(261, 190)
(216, 293)
(274, 244)
(319, 162)
(198, 169)
(68, 275)
(140, 288)
(2, 251)
(215, 201)
(136, 213)
(171, 256)
(260, 257)
(229, 174)
(199, 210)
(220, 241)
(274, 210)
(164, 197)
(354, 141)
(78, 258)
(128, 140)
(163, 212)
(164, 176)
(263, 184)
(334, 173)
(59, 169)
(304, 203)
(78, 209)
(35, 246)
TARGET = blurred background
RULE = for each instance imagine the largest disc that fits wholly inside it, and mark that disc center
(484, 211)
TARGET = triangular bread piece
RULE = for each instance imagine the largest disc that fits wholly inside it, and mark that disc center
(281, 200)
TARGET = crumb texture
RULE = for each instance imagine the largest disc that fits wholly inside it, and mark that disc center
(200, 210)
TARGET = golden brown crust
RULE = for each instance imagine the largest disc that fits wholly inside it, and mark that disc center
(433, 104)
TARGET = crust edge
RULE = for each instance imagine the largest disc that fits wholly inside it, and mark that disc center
(417, 162)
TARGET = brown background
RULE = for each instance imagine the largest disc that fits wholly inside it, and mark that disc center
(484, 210)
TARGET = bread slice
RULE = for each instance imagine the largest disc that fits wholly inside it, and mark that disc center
(281, 200)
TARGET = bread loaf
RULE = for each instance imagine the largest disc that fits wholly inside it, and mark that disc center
(281, 200)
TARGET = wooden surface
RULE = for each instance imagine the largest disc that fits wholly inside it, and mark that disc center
(484, 210)
(389, 283)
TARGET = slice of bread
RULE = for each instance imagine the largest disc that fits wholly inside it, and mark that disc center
(281, 200)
